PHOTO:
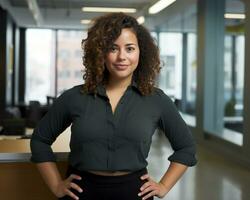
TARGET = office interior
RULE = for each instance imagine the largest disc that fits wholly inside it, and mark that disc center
(204, 47)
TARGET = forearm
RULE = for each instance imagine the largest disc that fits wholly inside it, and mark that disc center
(50, 174)
(172, 175)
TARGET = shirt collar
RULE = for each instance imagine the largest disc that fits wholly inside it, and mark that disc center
(102, 91)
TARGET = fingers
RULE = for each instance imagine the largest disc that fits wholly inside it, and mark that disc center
(74, 176)
(76, 187)
(149, 195)
(145, 185)
(150, 188)
(73, 186)
(71, 194)
(145, 176)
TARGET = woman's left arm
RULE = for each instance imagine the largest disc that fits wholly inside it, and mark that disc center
(183, 144)
(160, 189)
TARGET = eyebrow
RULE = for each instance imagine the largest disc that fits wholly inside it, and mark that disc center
(129, 44)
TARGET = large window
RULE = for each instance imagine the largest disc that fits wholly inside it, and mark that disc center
(51, 70)
(233, 87)
(69, 59)
(40, 71)
(191, 84)
(234, 56)
(171, 57)
(178, 78)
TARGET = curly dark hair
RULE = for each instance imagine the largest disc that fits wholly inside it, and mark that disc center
(101, 36)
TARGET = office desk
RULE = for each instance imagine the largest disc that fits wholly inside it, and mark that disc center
(18, 150)
(19, 178)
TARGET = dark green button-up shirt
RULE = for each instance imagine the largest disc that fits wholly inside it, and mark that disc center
(107, 141)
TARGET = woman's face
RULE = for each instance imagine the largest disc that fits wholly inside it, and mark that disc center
(123, 57)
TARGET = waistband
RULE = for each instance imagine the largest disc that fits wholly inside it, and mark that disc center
(108, 179)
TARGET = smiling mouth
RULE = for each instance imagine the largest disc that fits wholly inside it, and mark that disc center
(121, 67)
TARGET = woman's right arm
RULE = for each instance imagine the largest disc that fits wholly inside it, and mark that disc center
(56, 120)
(56, 184)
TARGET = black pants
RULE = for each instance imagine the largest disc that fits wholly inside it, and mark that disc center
(96, 187)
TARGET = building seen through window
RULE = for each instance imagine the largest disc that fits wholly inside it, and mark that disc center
(50, 71)
(69, 59)
(40, 71)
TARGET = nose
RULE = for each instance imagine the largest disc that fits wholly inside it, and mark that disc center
(122, 55)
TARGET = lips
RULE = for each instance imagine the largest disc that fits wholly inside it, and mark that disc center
(121, 66)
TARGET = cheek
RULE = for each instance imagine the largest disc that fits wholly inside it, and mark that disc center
(108, 61)
(109, 58)
(135, 59)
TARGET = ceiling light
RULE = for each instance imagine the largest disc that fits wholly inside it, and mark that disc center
(234, 16)
(160, 5)
(35, 10)
(104, 9)
(86, 21)
(141, 19)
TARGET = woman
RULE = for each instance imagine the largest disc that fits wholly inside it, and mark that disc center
(113, 116)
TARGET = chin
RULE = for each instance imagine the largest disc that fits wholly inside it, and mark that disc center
(122, 75)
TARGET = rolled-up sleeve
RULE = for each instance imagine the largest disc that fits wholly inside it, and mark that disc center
(56, 120)
(177, 132)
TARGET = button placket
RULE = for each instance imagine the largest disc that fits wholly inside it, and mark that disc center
(120, 104)
(112, 122)
(111, 132)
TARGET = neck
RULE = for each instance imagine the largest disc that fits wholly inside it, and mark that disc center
(118, 84)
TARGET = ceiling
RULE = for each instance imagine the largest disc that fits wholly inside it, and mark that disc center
(66, 14)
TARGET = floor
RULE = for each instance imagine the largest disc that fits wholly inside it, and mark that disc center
(213, 178)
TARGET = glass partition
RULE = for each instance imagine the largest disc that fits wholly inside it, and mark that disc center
(40, 65)
(234, 57)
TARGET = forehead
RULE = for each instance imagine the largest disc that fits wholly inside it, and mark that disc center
(127, 36)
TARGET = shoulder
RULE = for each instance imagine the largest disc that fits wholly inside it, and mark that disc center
(75, 90)
(161, 98)
(160, 93)
(71, 94)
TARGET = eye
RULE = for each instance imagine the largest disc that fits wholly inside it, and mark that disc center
(113, 49)
(129, 49)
